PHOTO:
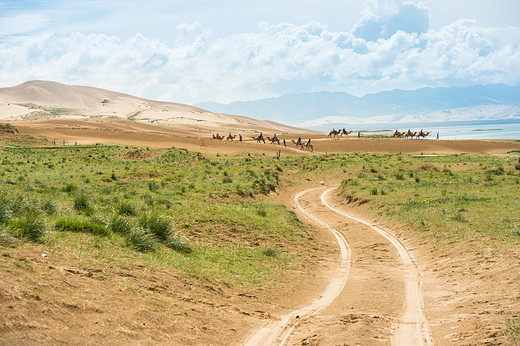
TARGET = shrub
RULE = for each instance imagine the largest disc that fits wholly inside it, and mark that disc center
(69, 188)
(120, 224)
(157, 225)
(81, 202)
(30, 226)
(6, 239)
(270, 252)
(261, 211)
(126, 208)
(399, 176)
(178, 244)
(153, 185)
(49, 207)
(141, 240)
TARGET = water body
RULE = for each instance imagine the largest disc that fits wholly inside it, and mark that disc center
(496, 129)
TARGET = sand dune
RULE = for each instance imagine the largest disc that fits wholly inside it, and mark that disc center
(46, 100)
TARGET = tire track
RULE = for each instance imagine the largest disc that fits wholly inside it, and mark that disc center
(413, 327)
(280, 332)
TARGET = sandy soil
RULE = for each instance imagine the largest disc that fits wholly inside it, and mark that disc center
(63, 299)
(134, 133)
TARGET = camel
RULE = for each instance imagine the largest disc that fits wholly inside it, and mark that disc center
(309, 146)
(398, 134)
(410, 134)
(333, 134)
(298, 143)
(345, 132)
(259, 138)
(273, 140)
(423, 134)
(230, 137)
(217, 136)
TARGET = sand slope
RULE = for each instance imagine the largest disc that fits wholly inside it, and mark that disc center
(46, 100)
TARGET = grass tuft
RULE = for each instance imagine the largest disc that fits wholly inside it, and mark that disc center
(30, 226)
(141, 240)
(80, 225)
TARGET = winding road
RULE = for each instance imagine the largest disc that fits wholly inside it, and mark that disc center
(374, 295)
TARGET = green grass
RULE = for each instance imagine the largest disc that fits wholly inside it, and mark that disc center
(513, 330)
(168, 207)
(210, 216)
(450, 198)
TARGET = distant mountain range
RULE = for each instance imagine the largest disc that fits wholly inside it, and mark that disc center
(325, 109)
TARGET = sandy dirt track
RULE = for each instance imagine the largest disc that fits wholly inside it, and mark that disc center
(280, 332)
(363, 296)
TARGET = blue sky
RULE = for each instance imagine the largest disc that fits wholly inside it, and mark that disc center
(200, 50)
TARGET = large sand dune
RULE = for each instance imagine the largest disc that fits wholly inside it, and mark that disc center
(50, 100)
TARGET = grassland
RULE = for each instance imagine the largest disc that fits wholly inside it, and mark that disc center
(448, 198)
(210, 216)
(169, 207)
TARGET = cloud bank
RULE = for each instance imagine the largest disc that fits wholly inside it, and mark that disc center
(390, 47)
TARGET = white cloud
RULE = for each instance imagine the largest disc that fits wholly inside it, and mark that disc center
(382, 19)
(276, 59)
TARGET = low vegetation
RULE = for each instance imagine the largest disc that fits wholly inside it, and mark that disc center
(448, 198)
(171, 207)
(210, 216)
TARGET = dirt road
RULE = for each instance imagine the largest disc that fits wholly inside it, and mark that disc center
(374, 296)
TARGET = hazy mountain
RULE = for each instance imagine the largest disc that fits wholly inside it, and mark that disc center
(427, 104)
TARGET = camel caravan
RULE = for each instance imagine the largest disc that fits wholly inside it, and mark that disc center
(300, 144)
(410, 134)
(336, 134)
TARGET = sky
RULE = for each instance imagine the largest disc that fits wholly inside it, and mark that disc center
(191, 51)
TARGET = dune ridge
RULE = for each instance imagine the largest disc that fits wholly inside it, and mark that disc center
(46, 100)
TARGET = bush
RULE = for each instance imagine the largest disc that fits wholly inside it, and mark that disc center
(270, 252)
(141, 240)
(178, 244)
(81, 202)
(153, 185)
(126, 208)
(261, 211)
(49, 207)
(120, 224)
(399, 176)
(157, 225)
(69, 188)
(30, 226)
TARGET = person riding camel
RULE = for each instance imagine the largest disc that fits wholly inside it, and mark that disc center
(299, 141)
